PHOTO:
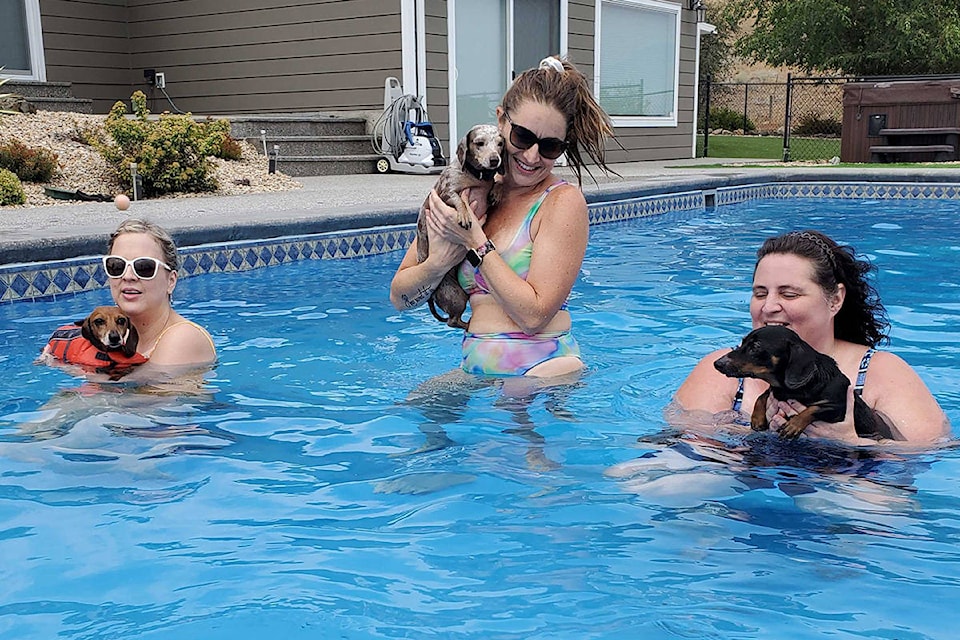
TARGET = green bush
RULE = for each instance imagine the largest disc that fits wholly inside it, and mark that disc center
(11, 191)
(813, 125)
(170, 150)
(30, 164)
(729, 120)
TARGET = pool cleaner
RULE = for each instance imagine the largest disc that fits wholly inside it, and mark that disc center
(403, 136)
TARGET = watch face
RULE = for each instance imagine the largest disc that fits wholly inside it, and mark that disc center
(474, 258)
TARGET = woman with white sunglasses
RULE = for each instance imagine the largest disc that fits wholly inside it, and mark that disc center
(141, 266)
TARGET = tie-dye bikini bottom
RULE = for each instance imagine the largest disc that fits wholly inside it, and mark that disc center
(514, 353)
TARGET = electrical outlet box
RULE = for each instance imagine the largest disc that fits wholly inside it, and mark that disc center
(160, 80)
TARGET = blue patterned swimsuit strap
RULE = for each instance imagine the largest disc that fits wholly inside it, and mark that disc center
(862, 372)
(738, 398)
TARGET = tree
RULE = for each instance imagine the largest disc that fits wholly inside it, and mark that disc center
(854, 37)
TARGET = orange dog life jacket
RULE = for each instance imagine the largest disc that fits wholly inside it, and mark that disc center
(68, 345)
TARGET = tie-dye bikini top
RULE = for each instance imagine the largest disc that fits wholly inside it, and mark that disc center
(517, 254)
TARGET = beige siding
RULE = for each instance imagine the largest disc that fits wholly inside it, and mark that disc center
(86, 43)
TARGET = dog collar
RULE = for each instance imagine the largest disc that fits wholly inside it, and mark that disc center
(486, 175)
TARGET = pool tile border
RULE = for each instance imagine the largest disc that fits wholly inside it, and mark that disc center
(50, 280)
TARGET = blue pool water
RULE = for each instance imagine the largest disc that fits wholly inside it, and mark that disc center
(292, 498)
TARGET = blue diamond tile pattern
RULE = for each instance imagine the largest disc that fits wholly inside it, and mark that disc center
(36, 281)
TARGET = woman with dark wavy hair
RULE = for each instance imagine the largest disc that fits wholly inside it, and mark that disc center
(807, 282)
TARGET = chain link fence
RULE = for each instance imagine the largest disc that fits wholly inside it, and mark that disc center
(804, 114)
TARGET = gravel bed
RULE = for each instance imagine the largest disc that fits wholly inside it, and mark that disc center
(83, 169)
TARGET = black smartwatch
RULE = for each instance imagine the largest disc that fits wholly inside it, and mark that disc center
(475, 256)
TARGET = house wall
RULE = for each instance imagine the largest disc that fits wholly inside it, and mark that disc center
(248, 56)
(242, 56)
(86, 43)
(438, 82)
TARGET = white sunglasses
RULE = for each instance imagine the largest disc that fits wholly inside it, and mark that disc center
(144, 268)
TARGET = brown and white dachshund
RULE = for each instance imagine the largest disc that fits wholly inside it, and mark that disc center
(105, 341)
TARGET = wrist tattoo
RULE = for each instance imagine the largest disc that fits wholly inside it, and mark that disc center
(418, 298)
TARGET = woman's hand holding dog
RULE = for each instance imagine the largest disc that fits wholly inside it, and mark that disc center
(442, 223)
(780, 411)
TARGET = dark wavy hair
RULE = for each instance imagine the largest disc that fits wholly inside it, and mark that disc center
(862, 318)
(588, 125)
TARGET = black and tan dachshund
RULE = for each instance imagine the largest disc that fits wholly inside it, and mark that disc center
(796, 371)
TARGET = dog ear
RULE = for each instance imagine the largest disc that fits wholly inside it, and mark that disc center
(462, 150)
(133, 339)
(801, 367)
(87, 331)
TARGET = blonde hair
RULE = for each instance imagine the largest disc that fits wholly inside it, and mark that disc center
(135, 225)
(568, 91)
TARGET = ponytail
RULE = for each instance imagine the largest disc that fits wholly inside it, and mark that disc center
(558, 83)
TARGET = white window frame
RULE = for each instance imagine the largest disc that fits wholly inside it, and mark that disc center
(35, 45)
(656, 5)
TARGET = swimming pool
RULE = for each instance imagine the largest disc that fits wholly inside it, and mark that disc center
(291, 498)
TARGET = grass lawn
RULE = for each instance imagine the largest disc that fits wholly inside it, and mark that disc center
(771, 147)
(801, 149)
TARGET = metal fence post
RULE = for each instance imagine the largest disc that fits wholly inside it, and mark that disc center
(746, 94)
(787, 118)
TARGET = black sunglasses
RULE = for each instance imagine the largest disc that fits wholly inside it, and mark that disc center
(522, 138)
(145, 268)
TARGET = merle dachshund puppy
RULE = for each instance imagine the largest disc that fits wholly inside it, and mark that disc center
(479, 159)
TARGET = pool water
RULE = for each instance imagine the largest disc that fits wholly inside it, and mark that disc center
(327, 484)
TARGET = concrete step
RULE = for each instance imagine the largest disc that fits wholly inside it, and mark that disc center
(315, 145)
(327, 165)
(48, 96)
(36, 89)
(74, 105)
(296, 124)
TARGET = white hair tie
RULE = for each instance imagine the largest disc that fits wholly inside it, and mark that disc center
(551, 63)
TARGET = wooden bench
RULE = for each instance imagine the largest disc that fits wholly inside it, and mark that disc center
(942, 152)
(942, 142)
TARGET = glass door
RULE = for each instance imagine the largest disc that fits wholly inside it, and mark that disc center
(493, 41)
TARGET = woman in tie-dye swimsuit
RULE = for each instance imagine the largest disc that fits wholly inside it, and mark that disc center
(524, 256)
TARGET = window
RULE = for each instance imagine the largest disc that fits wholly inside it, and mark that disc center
(21, 46)
(638, 61)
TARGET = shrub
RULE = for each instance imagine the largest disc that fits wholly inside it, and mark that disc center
(729, 120)
(814, 125)
(11, 191)
(230, 149)
(170, 150)
(30, 164)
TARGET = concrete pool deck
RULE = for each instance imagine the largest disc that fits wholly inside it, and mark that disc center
(334, 203)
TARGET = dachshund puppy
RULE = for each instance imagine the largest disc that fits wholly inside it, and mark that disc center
(795, 371)
(105, 341)
(479, 158)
